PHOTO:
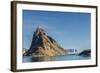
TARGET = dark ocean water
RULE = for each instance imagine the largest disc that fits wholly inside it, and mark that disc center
(55, 58)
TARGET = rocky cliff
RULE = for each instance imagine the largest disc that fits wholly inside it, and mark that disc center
(44, 45)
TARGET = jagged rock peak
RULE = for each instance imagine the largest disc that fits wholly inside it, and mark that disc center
(44, 45)
(40, 31)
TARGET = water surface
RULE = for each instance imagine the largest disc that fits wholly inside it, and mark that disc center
(55, 58)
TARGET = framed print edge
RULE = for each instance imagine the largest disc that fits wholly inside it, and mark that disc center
(14, 35)
(96, 35)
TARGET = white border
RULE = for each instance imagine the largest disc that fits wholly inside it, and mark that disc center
(21, 65)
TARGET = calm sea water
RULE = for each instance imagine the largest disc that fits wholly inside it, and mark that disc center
(55, 58)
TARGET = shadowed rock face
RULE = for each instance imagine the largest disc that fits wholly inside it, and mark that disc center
(85, 53)
(44, 45)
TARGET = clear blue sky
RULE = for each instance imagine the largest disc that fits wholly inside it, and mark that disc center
(69, 29)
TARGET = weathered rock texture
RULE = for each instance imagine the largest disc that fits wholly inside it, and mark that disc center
(44, 45)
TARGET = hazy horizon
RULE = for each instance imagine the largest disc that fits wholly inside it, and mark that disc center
(71, 30)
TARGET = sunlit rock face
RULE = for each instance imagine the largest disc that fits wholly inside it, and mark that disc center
(43, 45)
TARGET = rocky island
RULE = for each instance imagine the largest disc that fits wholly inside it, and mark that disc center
(85, 53)
(43, 45)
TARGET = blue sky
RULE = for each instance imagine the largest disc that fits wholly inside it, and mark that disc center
(69, 29)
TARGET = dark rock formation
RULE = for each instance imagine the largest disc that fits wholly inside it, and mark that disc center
(44, 45)
(85, 53)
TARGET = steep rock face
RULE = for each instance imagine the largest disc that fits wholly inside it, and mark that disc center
(44, 45)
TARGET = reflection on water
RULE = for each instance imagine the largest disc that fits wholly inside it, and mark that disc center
(37, 59)
(55, 58)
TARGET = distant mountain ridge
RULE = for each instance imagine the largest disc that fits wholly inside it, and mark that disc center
(44, 45)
